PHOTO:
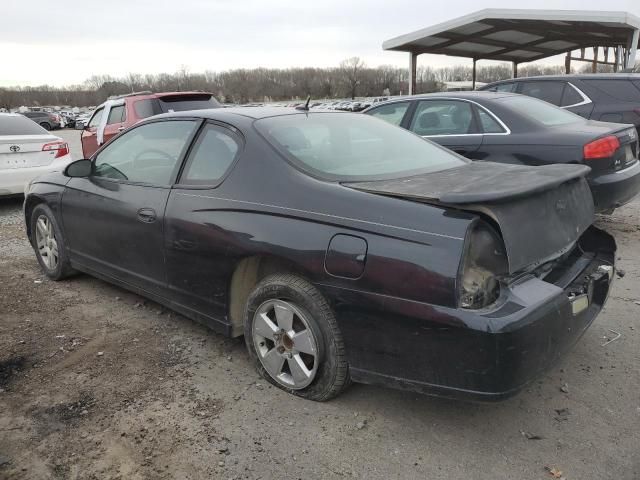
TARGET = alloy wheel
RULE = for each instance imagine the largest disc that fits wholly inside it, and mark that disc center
(285, 343)
(46, 242)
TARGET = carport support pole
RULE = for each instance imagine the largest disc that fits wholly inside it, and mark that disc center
(631, 59)
(413, 66)
(515, 70)
(473, 81)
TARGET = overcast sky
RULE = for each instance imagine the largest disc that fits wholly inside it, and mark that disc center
(64, 42)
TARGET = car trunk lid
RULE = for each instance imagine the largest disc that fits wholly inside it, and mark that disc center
(540, 211)
(22, 151)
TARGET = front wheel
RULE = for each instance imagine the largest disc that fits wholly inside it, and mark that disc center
(47, 241)
(293, 338)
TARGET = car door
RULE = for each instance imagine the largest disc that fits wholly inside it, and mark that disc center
(449, 122)
(113, 220)
(115, 122)
(89, 134)
(200, 242)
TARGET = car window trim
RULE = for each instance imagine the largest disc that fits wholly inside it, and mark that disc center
(507, 130)
(179, 162)
(585, 99)
(234, 132)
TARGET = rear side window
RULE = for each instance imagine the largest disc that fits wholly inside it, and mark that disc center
(623, 90)
(180, 103)
(212, 155)
(570, 97)
(545, 90)
(116, 115)
(144, 108)
(488, 123)
(19, 125)
(392, 113)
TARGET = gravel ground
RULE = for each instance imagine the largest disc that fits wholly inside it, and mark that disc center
(97, 383)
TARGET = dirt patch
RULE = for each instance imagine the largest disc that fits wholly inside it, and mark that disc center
(97, 383)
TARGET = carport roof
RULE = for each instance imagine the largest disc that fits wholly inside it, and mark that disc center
(520, 35)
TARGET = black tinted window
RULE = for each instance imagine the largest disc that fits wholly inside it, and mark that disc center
(144, 108)
(180, 103)
(544, 90)
(213, 153)
(570, 97)
(619, 89)
(19, 125)
(116, 115)
(146, 154)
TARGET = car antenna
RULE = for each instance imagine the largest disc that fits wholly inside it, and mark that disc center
(305, 107)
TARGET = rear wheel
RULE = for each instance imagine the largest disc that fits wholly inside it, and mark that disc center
(47, 241)
(45, 125)
(293, 338)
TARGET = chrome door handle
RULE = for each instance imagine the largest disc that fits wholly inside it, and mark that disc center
(147, 215)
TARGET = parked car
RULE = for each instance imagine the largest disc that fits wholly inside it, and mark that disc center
(339, 245)
(48, 121)
(82, 120)
(606, 97)
(118, 113)
(515, 129)
(26, 151)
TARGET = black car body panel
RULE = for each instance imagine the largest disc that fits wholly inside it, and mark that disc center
(523, 141)
(554, 199)
(388, 266)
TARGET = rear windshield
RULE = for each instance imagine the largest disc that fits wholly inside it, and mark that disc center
(540, 111)
(180, 103)
(352, 147)
(19, 125)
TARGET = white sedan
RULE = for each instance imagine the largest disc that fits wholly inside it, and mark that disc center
(26, 151)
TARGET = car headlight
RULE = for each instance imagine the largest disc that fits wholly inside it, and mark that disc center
(484, 262)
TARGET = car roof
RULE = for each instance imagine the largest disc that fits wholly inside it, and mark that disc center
(255, 113)
(467, 95)
(576, 76)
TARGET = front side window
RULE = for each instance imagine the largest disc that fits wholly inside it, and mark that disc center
(442, 117)
(95, 119)
(211, 156)
(146, 154)
(544, 90)
(116, 115)
(392, 113)
(352, 147)
(503, 87)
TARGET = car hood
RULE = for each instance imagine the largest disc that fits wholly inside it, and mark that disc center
(540, 211)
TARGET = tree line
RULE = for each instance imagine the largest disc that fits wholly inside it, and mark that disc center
(352, 78)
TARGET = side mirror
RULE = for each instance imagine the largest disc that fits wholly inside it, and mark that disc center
(78, 169)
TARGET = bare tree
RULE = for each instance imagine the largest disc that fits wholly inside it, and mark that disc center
(351, 69)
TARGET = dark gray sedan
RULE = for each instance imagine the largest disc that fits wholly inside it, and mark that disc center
(516, 129)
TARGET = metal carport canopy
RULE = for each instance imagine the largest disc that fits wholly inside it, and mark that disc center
(519, 36)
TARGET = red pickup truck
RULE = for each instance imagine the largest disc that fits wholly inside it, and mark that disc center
(119, 113)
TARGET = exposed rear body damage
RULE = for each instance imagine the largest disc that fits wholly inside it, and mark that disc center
(540, 211)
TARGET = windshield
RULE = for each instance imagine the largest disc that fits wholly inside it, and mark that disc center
(541, 111)
(19, 125)
(342, 146)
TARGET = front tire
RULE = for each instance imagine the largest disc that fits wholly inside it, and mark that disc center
(293, 338)
(48, 244)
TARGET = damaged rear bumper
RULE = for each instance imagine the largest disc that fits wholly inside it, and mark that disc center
(491, 355)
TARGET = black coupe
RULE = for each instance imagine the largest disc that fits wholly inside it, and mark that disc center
(341, 247)
(516, 129)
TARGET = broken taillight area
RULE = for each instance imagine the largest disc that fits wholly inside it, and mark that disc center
(484, 262)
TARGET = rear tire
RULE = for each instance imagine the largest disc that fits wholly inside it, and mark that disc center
(46, 126)
(303, 352)
(48, 244)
